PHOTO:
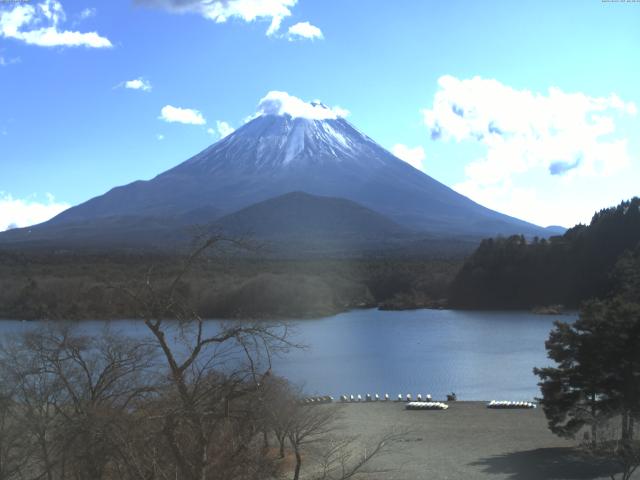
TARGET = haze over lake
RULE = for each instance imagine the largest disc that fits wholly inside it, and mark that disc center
(479, 355)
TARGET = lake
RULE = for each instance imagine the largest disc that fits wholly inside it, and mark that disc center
(477, 355)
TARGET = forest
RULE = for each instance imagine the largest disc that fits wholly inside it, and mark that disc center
(90, 286)
(564, 270)
(503, 273)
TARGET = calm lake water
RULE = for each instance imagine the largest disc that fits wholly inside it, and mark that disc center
(478, 355)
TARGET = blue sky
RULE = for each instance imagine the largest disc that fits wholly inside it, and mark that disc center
(528, 107)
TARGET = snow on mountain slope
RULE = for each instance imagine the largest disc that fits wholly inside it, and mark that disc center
(308, 148)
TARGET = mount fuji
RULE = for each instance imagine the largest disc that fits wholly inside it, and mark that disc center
(278, 152)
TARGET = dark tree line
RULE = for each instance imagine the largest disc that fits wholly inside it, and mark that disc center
(518, 273)
(79, 286)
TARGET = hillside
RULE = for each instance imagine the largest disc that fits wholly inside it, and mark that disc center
(301, 215)
(515, 273)
(303, 224)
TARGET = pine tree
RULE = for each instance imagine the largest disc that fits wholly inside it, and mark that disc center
(596, 380)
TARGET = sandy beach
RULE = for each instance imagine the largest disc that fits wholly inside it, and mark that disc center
(469, 441)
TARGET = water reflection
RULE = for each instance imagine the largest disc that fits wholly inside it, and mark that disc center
(478, 355)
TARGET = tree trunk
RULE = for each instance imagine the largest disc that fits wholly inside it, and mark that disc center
(625, 426)
(45, 455)
(594, 422)
(281, 447)
(296, 474)
(627, 439)
(204, 461)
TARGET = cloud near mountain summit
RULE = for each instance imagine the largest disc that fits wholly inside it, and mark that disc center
(281, 103)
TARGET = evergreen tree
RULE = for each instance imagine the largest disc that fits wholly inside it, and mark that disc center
(596, 380)
(569, 269)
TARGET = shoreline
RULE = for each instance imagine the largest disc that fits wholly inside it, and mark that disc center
(302, 318)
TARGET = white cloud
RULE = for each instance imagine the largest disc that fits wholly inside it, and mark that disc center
(413, 156)
(341, 112)
(553, 136)
(281, 103)
(138, 84)
(39, 24)
(15, 212)
(304, 30)
(224, 129)
(160, 137)
(221, 11)
(5, 62)
(274, 27)
(187, 116)
(87, 13)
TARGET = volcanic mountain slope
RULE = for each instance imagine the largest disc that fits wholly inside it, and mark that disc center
(297, 219)
(298, 225)
(272, 155)
(299, 215)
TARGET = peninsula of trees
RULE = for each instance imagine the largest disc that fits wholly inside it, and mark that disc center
(515, 272)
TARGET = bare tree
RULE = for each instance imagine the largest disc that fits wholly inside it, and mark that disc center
(12, 440)
(214, 375)
(277, 402)
(73, 392)
(316, 430)
(309, 425)
(191, 400)
(35, 395)
(347, 458)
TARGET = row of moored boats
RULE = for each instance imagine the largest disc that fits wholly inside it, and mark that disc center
(426, 406)
(384, 398)
(420, 402)
(317, 400)
(507, 404)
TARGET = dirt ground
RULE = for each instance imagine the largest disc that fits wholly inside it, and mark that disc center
(470, 441)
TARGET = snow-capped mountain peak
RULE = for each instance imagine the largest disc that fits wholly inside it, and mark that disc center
(295, 146)
(274, 141)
